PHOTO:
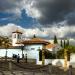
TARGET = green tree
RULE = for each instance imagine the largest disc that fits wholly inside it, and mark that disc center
(3, 40)
(70, 49)
(61, 43)
(34, 36)
(60, 54)
(67, 44)
(64, 44)
(48, 55)
(6, 45)
(55, 40)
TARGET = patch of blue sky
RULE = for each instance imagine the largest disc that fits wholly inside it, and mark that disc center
(24, 20)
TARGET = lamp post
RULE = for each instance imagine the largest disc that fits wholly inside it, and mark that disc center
(22, 48)
(6, 46)
(26, 48)
(26, 58)
(6, 55)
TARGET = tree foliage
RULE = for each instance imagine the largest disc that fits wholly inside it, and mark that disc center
(70, 49)
(67, 44)
(48, 55)
(55, 40)
(61, 43)
(60, 54)
(64, 43)
(5, 42)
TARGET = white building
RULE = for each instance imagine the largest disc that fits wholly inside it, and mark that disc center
(29, 46)
(19, 46)
(16, 37)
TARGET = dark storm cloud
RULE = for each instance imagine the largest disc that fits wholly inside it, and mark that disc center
(56, 11)
(52, 11)
(71, 18)
(6, 4)
(70, 35)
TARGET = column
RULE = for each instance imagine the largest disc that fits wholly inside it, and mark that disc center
(43, 56)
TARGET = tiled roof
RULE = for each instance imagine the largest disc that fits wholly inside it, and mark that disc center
(50, 46)
(35, 41)
(17, 31)
(12, 47)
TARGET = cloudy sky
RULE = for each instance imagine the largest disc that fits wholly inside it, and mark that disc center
(45, 18)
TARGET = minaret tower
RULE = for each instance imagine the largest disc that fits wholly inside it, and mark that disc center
(16, 37)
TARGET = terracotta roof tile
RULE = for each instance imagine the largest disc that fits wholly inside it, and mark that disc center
(50, 46)
(35, 41)
(17, 31)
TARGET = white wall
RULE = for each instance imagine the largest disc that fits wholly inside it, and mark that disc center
(31, 51)
(72, 60)
(15, 39)
(72, 57)
(10, 52)
(55, 62)
(30, 54)
(59, 62)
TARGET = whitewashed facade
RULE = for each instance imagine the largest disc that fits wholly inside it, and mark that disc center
(32, 51)
(10, 52)
(72, 59)
(16, 37)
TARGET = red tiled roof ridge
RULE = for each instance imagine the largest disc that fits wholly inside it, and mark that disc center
(17, 31)
(34, 41)
(38, 39)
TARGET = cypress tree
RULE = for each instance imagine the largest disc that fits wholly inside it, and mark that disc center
(64, 44)
(34, 36)
(55, 40)
(67, 42)
(61, 43)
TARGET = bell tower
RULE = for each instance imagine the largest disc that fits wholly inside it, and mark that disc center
(16, 37)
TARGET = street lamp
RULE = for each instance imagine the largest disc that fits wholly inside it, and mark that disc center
(26, 58)
(22, 48)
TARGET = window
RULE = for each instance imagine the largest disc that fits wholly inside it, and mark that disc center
(19, 36)
(14, 35)
(32, 48)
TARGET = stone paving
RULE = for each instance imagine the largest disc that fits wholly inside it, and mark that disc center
(30, 69)
(21, 73)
